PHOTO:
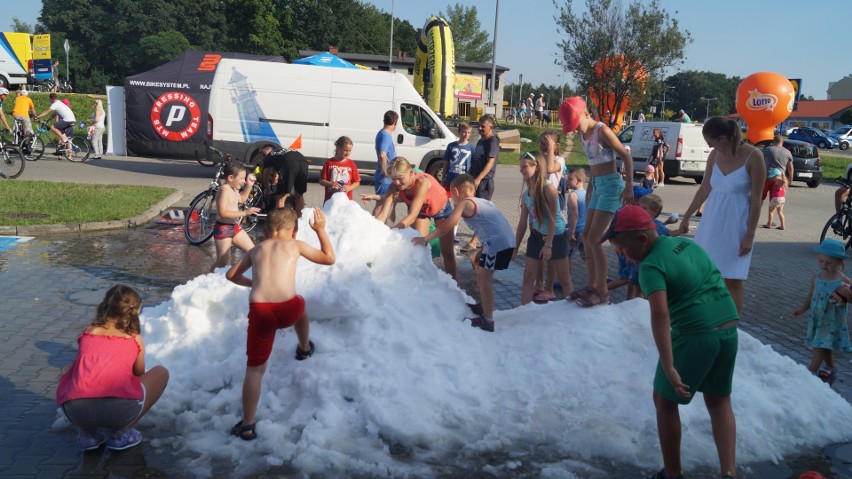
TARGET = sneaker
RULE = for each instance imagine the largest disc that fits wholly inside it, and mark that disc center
(482, 323)
(90, 442)
(124, 439)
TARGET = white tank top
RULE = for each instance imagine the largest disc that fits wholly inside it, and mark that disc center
(597, 154)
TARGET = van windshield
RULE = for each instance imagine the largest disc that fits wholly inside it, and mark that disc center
(803, 151)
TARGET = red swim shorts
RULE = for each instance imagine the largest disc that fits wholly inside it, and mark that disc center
(225, 230)
(266, 318)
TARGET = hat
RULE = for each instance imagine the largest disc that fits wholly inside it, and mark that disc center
(569, 113)
(831, 247)
(680, 112)
(629, 218)
(775, 172)
(23, 92)
(541, 94)
(649, 169)
(532, 94)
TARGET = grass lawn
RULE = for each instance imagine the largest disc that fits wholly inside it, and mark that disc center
(43, 202)
(833, 166)
(577, 158)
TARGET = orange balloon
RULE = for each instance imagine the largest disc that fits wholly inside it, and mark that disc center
(606, 100)
(764, 100)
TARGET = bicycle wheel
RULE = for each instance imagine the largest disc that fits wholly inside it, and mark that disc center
(11, 162)
(838, 227)
(201, 156)
(33, 148)
(80, 149)
(254, 200)
(201, 217)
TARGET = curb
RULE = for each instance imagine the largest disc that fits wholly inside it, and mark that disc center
(139, 220)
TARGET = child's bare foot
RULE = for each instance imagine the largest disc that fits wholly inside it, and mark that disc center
(781, 227)
(766, 226)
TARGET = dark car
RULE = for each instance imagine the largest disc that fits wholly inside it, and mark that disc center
(805, 162)
(814, 137)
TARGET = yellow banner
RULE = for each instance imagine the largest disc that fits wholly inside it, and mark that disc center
(468, 87)
(41, 47)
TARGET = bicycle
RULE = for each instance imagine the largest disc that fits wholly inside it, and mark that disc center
(77, 150)
(201, 218)
(11, 160)
(839, 226)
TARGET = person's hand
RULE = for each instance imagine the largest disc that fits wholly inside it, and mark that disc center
(798, 312)
(548, 143)
(419, 240)
(572, 238)
(746, 244)
(318, 223)
(545, 253)
(476, 184)
(400, 226)
(674, 379)
(627, 195)
(366, 198)
(253, 210)
(684, 227)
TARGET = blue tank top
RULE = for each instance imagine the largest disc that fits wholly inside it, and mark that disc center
(541, 224)
(491, 226)
(581, 212)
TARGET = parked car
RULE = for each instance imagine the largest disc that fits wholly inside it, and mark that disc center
(806, 165)
(843, 135)
(813, 136)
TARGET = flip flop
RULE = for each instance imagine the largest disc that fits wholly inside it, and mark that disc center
(543, 297)
(595, 298)
(578, 294)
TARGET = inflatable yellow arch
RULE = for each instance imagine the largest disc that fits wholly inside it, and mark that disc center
(435, 66)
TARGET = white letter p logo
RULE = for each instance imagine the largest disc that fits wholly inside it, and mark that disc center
(176, 114)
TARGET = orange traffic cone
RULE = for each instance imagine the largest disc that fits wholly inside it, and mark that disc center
(297, 143)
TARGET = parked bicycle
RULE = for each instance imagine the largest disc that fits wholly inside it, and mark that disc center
(48, 86)
(839, 226)
(520, 115)
(77, 150)
(202, 214)
(11, 160)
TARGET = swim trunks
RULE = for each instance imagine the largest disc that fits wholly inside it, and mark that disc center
(225, 230)
(263, 320)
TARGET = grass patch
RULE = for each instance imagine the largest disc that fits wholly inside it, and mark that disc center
(577, 158)
(833, 166)
(81, 105)
(43, 202)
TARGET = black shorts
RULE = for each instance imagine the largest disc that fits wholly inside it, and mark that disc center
(66, 127)
(498, 261)
(293, 174)
(485, 190)
(536, 242)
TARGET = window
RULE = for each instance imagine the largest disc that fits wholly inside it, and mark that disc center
(415, 121)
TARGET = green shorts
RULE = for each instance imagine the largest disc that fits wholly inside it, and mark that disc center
(704, 361)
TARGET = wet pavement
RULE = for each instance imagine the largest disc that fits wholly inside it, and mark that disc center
(53, 282)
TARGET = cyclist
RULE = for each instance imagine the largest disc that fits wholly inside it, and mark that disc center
(64, 125)
(3, 94)
(23, 110)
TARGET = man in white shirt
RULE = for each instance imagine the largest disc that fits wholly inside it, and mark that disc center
(64, 125)
(539, 109)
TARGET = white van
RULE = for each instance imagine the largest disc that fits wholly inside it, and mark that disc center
(687, 152)
(254, 103)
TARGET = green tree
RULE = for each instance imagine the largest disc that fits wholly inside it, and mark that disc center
(254, 26)
(846, 116)
(161, 48)
(692, 91)
(628, 45)
(21, 26)
(471, 41)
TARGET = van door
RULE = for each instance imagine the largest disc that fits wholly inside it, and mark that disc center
(417, 134)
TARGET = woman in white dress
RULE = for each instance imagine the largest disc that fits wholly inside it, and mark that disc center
(732, 185)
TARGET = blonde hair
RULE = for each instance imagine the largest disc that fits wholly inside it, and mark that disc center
(120, 307)
(557, 138)
(538, 191)
(463, 182)
(343, 141)
(399, 166)
(652, 202)
(465, 126)
(283, 218)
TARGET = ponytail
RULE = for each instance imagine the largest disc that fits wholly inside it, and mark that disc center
(718, 126)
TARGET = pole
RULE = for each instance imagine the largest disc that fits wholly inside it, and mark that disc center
(562, 87)
(494, 59)
(707, 111)
(67, 47)
(390, 49)
(521, 90)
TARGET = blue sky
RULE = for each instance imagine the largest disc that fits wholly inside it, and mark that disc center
(734, 37)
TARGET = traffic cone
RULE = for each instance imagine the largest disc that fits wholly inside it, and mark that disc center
(297, 143)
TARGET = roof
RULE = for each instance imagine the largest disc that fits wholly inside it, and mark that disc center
(409, 61)
(815, 109)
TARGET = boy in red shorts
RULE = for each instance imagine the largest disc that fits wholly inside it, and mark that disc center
(273, 302)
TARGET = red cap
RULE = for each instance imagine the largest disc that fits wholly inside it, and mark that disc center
(629, 218)
(569, 113)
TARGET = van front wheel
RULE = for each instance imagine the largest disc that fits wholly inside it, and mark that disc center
(436, 169)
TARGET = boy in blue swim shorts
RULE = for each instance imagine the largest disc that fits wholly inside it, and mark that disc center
(694, 323)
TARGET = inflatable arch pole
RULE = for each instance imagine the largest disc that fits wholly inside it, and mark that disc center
(435, 66)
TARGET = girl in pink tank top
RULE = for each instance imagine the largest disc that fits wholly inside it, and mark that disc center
(107, 390)
(426, 199)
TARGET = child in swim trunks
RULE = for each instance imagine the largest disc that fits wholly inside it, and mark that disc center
(273, 302)
(227, 230)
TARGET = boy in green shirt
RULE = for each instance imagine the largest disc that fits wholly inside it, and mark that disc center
(693, 319)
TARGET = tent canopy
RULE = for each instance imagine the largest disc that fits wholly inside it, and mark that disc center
(325, 59)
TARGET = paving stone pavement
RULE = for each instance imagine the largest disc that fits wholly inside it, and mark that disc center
(52, 283)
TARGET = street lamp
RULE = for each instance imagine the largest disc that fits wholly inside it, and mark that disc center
(665, 88)
(562, 86)
(707, 112)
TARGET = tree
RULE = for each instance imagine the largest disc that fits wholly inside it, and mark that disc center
(638, 42)
(692, 88)
(254, 26)
(161, 48)
(21, 26)
(470, 40)
(846, 116)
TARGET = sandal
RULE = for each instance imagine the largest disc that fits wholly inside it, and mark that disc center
(595, 298)
(543, 297)
(240, 431)
(579, 294)
(302, 355)
(476, 308)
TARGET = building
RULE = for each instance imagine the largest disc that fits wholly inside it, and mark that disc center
(840, 90)
(402, 63)
(823, 114)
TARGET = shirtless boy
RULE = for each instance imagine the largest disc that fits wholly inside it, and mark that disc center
(273, 302)
(227, 230)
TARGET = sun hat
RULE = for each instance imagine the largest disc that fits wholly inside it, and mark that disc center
(23, 92)
(831, 247)
(569, 113)
(649, 169)
(629, 218)
(532, 94)
(775, 172)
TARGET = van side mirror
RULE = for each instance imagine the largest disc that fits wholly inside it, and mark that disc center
(436, 132)
(399, 138)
